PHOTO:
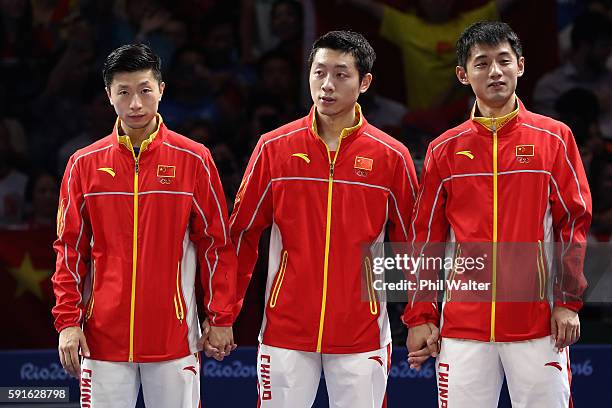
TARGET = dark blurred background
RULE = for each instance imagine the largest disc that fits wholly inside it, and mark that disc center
(236, 69)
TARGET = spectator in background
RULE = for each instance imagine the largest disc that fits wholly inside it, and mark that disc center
(278, 79)
(143, 21)
(219, 45)
(229, 78)
(12, 183)
(191, 94)
(264, 115)
(50, 18)
(18, 138)
(285, 26)
(579, 109)
(20, 75)
(384, 113)
(601, 180)
(42, 196)
(426, 38)
(64, 95)
(15, 31)
(268, 25)
(199, 130)
(98, 114)
(591, 40)
(229, 170)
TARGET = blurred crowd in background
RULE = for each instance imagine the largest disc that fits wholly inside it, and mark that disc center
(235, 69)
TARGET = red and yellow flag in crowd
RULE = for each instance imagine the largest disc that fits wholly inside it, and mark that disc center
(27, 262)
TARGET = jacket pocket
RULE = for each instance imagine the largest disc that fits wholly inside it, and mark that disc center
(90, 303)
(178, 297)
(370, 286)
(541, 262)
(279, 280)
(453, 273)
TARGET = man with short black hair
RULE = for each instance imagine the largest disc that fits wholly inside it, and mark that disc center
(512, 182)
(330, 185)
(138, 210)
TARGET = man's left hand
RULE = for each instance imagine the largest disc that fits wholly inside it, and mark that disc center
(564, 327)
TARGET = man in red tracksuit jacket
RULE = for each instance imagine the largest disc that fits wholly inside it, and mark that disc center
(510, 181)
(139, 209)
(330, 185)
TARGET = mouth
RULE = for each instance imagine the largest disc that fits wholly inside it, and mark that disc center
(327, 99)
(497, 84)
(140, 116)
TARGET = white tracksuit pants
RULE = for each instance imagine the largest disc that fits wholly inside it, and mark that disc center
(290, 378)
(110, 384)
(471, 373)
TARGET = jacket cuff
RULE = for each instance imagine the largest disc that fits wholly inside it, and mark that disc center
(221, 325)
(222, 320)
(60, 327)
(574, 306)
(415, 318)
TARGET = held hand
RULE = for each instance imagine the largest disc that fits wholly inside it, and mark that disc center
(220, 342)
(564, 327)
(70, 339)
(422, 342)
(203, 341)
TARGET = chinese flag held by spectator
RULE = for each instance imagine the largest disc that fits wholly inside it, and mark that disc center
(27, 262)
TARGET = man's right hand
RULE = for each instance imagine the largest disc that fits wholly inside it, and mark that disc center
(422, 342)
(219, 352)
(70, 340)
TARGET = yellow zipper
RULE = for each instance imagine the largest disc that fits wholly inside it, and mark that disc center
(178, 302)
(134, 257)
(327, 238)
(90, 304)
(127, 142)
(371, 293)
(494, 295)
(279, 280)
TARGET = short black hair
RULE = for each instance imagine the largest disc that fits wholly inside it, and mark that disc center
(131, 58)
(489, 33)
(347, 42)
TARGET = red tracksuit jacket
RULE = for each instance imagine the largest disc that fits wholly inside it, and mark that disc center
(505, 181)
(130, 234)
(324, 209)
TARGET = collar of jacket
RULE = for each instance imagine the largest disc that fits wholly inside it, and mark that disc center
(502, 124)
(347, 133)
(148, 144)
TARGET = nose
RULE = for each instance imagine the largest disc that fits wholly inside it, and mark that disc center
(135, 103)
(328, 85)
(495, 71)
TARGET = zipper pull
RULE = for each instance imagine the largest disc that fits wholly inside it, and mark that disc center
(331, 170)
(136, 166)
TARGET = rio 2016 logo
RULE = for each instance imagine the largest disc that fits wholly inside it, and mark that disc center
(32, 372)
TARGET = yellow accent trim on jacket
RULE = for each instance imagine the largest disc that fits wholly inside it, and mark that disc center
(346, 131)
(494, 124)
(127, 142)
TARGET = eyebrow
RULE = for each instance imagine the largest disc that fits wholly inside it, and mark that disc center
(342, 65)
(142, 83)
(481, 56)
